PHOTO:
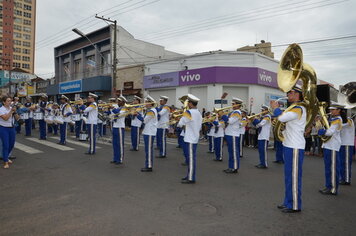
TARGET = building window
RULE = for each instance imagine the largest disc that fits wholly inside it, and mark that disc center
(17, 27)
(26, 22)
(17, 42)
(77, 64)
(28, 1)
(17, 50)
(25, 58)
(27, 7)
(18, 13)
(17, 35)
(26, 44)
(18, 5)
(17, 20)
(27, 36)
(27, 29)
(26, 51)
(27, 14)
(17, 57)
(16, 65)
(25, 66)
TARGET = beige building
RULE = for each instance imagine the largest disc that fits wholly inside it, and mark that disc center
(129, 81)
(264, 48)
(17, 34)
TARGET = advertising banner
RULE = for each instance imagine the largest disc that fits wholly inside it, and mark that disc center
(161, 80)
(74, 86)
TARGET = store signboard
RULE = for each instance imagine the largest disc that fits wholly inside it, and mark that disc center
(74, 86)
(161, 80)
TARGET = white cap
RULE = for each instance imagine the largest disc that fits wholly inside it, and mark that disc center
(237, 100)
(149, 99)
(335, 105)
(64, 97)
(264, 107)
(137, 98)
(192, 98)
(44, 95)
(112, 99)
(93, 95)
(163, 98)
(122, 98)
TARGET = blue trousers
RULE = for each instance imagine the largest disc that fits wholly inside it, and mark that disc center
(104, 129)
(279, 150)
(211, 143)
(191, 152)
(28, 126)
(162, 141)
(233, 147)
(100, 129)
(241, 145)
(331, 162)
(50, 128)
(346, 153)
(78, 128)
(55, 129)
(63, 132)
(7, 135)
(71, 128)
(92, 128)
(262, 150)
(118, 136)
(18, 128)
(293, 170)
(149, 139)
(43, 131)
(218, 144)
(180, 141)
(135, 137)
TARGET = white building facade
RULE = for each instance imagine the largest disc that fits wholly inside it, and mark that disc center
(251, 77)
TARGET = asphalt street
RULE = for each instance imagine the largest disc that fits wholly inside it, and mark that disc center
(50, 190)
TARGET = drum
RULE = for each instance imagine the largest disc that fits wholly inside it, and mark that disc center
(76, 117)
(25, 116)
(83, 136)
(38, 116)
(49, 119)
(58, 120)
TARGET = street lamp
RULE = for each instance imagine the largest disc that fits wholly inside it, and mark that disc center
(80, 33)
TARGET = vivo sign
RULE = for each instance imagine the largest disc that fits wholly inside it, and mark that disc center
(190, 77)
(263, 77)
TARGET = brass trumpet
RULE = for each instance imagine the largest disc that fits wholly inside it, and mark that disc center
(78, 102)
(258, 114)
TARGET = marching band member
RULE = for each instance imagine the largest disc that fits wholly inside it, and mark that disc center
(118, 130)
(331, 151)
(42, 105)
(16, 103)
(293, 150)
(92, 118)
(8, 116)
(232, 135)
(100, 121)
(347, 148)
(49, 113)
(163, 120)
(210, 134)
(263, 136)
(66, 112)
(219, 126)
(149, 131)
(55, 112)
(79, 108)
(28, 120)
(135, 126)
(192, 121)
(244, 122)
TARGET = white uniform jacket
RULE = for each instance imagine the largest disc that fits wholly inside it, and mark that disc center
(192, 120)
(150, 120)
(233, 123)
(334, 131)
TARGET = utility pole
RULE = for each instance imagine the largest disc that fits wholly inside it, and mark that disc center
(114, 64)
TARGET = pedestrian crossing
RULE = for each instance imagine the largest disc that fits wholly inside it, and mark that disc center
(51, 142)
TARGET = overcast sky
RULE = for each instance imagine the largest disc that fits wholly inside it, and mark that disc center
(192, 26)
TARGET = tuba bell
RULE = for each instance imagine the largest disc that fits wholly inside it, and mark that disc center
(291, 69)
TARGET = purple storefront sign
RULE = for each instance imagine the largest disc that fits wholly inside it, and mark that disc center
(161, 80)
(212, 75)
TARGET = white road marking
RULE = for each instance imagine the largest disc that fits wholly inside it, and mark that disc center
(86, 145)
(27, 149)
(50, 144)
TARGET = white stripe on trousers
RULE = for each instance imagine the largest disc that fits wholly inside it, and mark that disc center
(234, 151)
(164, 142)
(241, 142)
(212, 144)
(91, 138)
(333, 171)
(190, 174)
(221, 148)
(266, 162)
(295, 178)
(347, 176)
(121, 146)
(138, 137)
(149, 151)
